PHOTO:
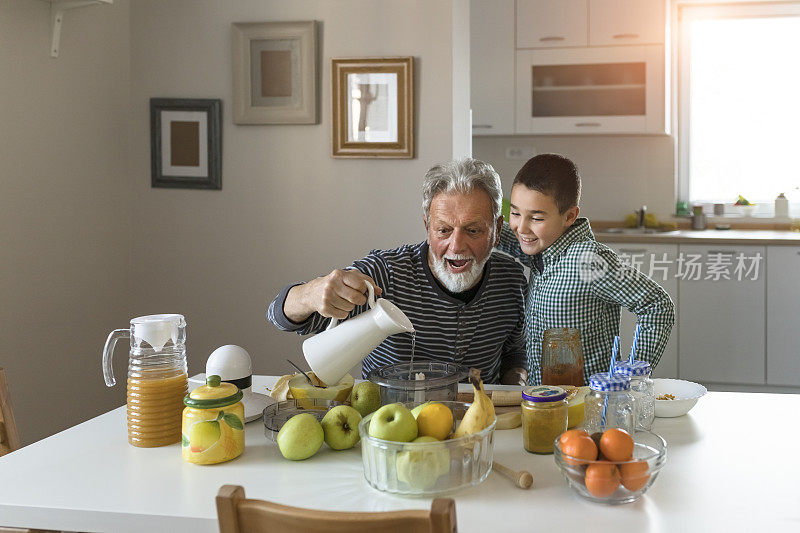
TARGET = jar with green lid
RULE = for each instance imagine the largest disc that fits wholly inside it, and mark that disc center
(544, 417)
(213, 423)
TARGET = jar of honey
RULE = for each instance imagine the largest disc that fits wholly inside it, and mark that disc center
(562, 357)
(157, 379)
(544, 417)
(213, 423)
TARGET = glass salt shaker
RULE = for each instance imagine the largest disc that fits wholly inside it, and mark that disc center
(644, 397)
(608, 404)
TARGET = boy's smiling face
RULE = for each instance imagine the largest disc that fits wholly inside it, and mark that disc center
(535, 219)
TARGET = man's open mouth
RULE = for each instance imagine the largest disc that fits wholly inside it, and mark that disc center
(458, 265)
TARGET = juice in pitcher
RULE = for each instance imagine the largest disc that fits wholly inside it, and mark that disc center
(157, 380)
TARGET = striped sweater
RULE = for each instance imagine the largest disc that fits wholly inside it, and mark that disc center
(486, 332)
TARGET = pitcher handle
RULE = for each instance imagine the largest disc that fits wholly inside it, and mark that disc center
(370, 302)
(108, 353)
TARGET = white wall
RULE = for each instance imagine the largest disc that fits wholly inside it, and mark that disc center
(64, 209)
(287, 211)
(619, 173)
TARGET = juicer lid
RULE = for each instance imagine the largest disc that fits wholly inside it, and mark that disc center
(156, 330)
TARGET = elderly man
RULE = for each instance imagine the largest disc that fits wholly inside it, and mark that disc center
(464, 300)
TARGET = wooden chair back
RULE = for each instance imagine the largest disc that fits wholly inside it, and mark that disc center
(237, 514)
(9, 436)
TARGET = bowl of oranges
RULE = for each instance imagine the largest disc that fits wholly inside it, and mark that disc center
(611, 467)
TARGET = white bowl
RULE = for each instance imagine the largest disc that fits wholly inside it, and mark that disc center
(686, 395)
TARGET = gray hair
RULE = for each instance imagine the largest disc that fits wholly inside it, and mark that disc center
(462, 176)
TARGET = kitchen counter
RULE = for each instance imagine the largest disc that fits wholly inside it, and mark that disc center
(731, 466)
(708, 236)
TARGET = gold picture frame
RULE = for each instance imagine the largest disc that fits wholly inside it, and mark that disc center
(275, 72)
(373, 107)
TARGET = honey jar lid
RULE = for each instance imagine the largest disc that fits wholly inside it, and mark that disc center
(544, 393)
(213, 394)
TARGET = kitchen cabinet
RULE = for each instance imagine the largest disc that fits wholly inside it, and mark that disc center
(659, 262)
(722, 321)
(621, 22)
(612, 89)
(783, 315)
(552, 23)
(492, 67)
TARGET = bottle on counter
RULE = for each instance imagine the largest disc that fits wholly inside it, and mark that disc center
(544, 417)
(608, 403)
(644, 397)
(562, 357)
(781, 206)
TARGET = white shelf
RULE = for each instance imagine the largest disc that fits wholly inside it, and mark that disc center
(555, 88)
(57, 10)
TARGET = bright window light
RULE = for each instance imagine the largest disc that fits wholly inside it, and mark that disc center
(743, 108)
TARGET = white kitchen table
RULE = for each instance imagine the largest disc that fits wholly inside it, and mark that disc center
(732, 465)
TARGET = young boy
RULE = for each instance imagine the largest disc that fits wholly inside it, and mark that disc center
(576, 281)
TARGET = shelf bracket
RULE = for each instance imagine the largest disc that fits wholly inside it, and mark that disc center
(57, 10)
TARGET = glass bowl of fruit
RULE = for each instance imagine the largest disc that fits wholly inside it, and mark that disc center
(612, 467)
(421, 449)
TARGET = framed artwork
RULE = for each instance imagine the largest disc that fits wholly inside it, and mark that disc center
(373, 107)
(186, 143)
(275, 72)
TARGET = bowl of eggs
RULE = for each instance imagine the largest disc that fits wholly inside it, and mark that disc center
(611, 467)
(675, 397)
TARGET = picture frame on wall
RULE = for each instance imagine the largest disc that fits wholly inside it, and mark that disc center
(186, 143)
(275, 72)
(373, 107)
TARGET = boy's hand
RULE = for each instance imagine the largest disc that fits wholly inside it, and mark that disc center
(514, 376)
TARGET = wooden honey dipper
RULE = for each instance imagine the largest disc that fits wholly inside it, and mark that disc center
(522, 479)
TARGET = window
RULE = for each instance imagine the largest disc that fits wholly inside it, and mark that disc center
(739, 103)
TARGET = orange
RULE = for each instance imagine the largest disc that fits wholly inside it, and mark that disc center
(580, 447)
(568, 434)
(435, 420)
(634, 475)
(602, 479)
(616, 445)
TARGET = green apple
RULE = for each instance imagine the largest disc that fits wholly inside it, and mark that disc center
(300, 437)
(415, 411)
(421, 466)
(340, 425)
(366, 397)
(393, 422)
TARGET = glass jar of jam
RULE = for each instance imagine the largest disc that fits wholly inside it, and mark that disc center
(544, 417)
(562, 357)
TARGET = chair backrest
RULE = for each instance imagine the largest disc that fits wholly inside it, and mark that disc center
(237, 514)
(9, 436)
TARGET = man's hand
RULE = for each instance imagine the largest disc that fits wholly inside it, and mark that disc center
(334, 295)
(514, 376)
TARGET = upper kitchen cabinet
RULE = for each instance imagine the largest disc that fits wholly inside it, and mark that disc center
(610, 89)
(615, 22)
(492, 67)
(552, 23)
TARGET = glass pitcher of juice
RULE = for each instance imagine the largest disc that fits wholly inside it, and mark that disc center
(562, 357)
(157, 380)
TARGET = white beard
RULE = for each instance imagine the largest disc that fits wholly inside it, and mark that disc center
(457, 282)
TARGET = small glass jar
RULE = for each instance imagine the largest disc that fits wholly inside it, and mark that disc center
(562, 357)
(213, 423)
(544, 417)
(644, 397)
(608, 403)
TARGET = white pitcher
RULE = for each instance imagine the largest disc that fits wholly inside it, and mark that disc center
(333, 352)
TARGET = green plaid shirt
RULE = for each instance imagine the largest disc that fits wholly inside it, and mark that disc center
(582, 285)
